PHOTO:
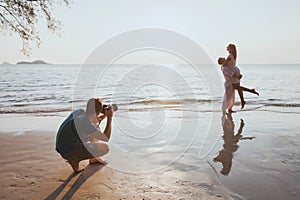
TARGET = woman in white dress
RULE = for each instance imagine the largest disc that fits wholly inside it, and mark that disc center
(228, 73)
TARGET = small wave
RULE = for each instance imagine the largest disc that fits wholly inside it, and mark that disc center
(272, 99)
(158, 108)
(8, 96)
(43, 98)
(77, 101)
(284, 104)
(167, 107)
(20, 105)
(170, 101)
(35, 111)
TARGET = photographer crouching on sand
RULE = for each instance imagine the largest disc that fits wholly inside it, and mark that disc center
(79, 137)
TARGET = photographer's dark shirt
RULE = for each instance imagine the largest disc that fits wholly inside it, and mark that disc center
(74, 131)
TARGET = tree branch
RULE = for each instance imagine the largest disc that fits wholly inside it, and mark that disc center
(20, 16)
(20, 24)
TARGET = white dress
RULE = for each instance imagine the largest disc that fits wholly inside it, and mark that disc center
(228, 72)
(229, 95)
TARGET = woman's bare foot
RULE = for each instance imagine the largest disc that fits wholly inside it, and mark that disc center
(231, 111)
(75, 166)
(254, 91)
(97, 160)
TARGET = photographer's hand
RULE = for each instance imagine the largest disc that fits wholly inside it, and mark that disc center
(100, 118)
(109, 114)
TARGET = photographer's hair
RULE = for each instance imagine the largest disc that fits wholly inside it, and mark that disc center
(232, 50)
(94, 105)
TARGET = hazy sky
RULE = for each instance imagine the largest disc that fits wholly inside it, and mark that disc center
(264, 31)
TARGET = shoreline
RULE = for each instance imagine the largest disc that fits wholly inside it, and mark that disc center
(262, 168)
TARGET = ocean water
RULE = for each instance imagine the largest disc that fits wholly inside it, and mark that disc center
(54, 89)
(168, 112)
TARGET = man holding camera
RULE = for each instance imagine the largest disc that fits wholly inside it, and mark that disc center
(79, 137)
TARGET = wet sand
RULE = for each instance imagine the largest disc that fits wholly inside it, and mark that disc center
(267, 166)
(31, 169)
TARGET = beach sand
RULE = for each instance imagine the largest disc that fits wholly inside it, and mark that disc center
(31, 169)
(266, 167)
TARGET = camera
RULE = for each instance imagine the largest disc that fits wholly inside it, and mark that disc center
(113, 106)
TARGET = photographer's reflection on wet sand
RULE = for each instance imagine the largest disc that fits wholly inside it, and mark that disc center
(230, 145)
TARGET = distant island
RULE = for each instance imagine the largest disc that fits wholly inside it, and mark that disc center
(5, 63)
(40, 62)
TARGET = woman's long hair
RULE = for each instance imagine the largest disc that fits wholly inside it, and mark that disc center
(232, 50)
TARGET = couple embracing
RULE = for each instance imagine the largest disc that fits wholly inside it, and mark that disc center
(232, 77)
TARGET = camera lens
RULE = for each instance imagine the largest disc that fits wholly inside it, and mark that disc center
(114, 107)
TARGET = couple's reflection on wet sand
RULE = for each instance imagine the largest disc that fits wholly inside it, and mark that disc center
(230, 145)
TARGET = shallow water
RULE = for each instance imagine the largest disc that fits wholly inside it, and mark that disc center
(52, 89)
(264, 160)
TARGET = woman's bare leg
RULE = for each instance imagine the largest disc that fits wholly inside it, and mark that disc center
(243, 102)
(249, 90)
(231, 102)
